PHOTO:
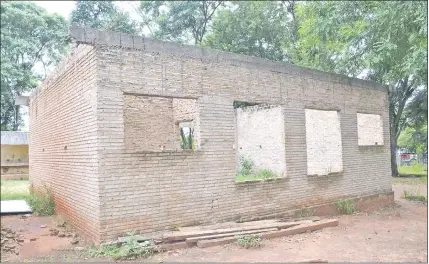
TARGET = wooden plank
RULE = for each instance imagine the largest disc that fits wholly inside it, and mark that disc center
(215, 242)
(315, 261)
(302, 228)
(178, 236)
(192, 240)
(284, 232)
(312, 218)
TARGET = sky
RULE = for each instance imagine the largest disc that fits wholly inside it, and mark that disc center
(65, 7)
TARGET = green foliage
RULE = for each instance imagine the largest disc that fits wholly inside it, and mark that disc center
(102, 15)
(179, 21)
(265, 174)
(30, 37)
(130, 249)
(380, 41)
(257, 28)
(249, 241)
(41, 202)
(187, 140)
(14, 190)
(246, 172)
(414, 197)
(345, 207)
(414, 139)
(246, 166)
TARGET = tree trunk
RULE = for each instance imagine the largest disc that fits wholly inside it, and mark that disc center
(16, 121)
(394, 165)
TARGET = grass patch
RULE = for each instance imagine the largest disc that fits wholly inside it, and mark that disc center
(413, 170)
(249, 241)
(42, 202)
(130, 249)
(414, 197)
(346, 207)
(15, 190)
(247, 173)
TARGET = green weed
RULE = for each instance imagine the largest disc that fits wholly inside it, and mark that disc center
(265, 174)
(249, 241)
(345, 207)
(246, 166)
(41, 202)
(130, 249)
(247, 173)
(414, 197)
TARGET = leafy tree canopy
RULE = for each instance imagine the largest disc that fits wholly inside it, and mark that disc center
(380, 41)
(102, 15)
(179, 21)
(414, 139)
(261, 28)
(29, 37)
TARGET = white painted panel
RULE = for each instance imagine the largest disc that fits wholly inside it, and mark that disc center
(370, 130)
(261, 137)
(323, 136)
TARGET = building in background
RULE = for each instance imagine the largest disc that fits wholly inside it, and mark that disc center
(14, 155)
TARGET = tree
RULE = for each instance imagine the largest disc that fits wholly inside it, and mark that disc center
(102, 15)
(30, 37)
(178, 21)
(413, 125)
(264, 29)
(414, 139)
(382, 41)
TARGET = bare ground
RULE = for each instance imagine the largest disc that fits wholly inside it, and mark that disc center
(394, 234)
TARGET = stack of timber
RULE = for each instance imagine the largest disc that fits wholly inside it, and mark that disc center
(219, 235)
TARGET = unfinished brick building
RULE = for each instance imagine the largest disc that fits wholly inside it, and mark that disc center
(105, 136)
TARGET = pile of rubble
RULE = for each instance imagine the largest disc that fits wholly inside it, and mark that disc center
(63, 232)
(10, 241)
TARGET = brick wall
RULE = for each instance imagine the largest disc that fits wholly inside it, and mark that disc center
(155, 132)
(148, 191)
(63, 140)
(152, 123)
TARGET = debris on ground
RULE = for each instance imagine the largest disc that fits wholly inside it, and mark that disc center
(10, 241)
(220, 236)
(74, 241)
(54, 232)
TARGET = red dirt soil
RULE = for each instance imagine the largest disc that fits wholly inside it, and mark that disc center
(35, 231)
(394, 234)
